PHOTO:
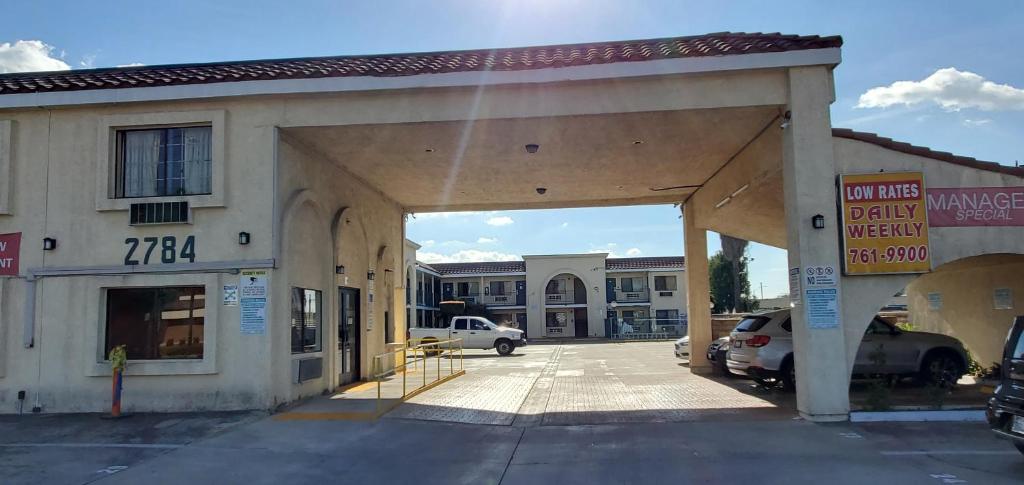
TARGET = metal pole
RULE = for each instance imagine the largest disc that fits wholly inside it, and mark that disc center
(439, 361)
(405, 369)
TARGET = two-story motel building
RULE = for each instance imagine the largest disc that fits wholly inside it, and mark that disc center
(239, 226)
(563, 295)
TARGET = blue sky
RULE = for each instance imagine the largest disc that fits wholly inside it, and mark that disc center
(885, 42)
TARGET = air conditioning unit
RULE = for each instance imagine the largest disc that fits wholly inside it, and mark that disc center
(146, 213)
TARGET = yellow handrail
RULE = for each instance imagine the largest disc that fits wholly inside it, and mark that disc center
(420, 353)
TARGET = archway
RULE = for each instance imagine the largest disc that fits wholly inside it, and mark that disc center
(919, 331)
(565, 306)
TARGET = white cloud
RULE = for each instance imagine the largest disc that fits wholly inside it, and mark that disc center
(565, 224)
(981, 122)
(500, 221)
(428, 243)
(88, 62)
(131, 64)
(634, 252)
(454, 242)
(949, 88)
(29, 55)
(487, 240)
(466, 256)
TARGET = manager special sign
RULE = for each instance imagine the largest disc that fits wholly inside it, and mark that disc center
(976, 206)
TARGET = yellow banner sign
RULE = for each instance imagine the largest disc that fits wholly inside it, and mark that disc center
(885, 223)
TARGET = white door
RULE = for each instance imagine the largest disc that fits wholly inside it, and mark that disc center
(480, 334)
(460, 329)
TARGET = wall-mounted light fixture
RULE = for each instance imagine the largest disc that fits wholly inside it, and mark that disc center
(49, 244)
(542, 190)
(243, 238)
(818, 221)
(339, 269)
(370, 275)
(532, 147)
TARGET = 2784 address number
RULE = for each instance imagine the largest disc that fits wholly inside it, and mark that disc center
(166, 248)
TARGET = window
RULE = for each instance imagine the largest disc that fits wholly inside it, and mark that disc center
(751, 324)
(556, 319)
(156, 323)
(879, 327)
(788, 325)
(497, 288)
(667, 317)
(164, 162)
(469, 288)
(460, 324)
(478, 325)
(307, 314)
(1018, 351)
(632, 284)
(555, 287)
(665, 283)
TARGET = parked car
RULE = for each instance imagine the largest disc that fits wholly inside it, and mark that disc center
(683, 348)
(1006, 406)
(717, 354)
(475, 332)
(762, 348)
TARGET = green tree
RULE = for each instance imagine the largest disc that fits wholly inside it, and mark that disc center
(724, 285)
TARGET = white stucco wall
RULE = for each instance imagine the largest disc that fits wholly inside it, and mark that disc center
(588, 267)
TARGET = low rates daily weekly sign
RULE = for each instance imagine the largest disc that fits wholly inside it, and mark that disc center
(885, 223)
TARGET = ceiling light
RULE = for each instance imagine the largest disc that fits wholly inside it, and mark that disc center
(638, 142)
(741, 189)
(723, 202)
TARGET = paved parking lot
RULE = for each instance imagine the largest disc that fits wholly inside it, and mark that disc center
(590, 383)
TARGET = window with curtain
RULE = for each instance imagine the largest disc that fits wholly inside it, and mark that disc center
(164, 162)
(665, 283)
(632, 284)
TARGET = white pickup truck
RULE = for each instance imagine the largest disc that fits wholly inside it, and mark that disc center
(475, 332)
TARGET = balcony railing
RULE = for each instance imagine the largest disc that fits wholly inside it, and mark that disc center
(564, 298)
(469, 298)
(506, 299)
(643, 295)
(636, 328)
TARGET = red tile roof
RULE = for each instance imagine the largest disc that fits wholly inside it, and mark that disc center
(645, 263)
(926, 152)
(488, 267)
(483, 267)
(390, 65)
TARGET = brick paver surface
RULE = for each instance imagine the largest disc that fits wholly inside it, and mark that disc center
(590, 383)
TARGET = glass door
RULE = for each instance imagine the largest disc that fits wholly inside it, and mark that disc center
(348, 335)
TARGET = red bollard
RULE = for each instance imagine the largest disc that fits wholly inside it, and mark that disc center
(115, 405)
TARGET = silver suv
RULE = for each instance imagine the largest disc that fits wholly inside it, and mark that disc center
(762, 348)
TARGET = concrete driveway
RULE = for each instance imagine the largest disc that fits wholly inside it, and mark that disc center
(591, 383)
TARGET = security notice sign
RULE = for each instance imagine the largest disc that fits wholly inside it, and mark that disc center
(885, 223)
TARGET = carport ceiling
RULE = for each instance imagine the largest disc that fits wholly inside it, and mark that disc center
(594, 160)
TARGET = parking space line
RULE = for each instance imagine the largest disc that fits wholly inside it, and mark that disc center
(948, 452)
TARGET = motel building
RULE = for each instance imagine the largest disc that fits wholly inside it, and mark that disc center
(240, 226)
(563, 295)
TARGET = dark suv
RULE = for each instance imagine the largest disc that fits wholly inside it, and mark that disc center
(1006, 407)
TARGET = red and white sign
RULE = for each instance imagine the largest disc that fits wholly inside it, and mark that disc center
(976, 206)
(10, 245)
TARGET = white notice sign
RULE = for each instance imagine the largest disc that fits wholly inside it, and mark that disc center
(230, 293)
(794, 286)
(253, 311)
(822, 275)
(822, 307)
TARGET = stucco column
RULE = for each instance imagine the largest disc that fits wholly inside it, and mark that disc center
(809, 172)
(698, 291)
